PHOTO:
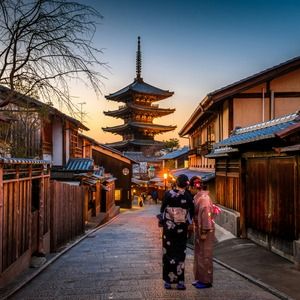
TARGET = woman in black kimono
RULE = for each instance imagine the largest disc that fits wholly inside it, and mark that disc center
(178, 210)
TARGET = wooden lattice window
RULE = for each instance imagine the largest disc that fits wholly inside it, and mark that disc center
(73, 142)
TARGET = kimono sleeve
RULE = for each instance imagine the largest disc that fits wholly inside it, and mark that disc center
(206, 218)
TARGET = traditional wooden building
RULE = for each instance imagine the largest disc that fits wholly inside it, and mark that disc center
(114, 162)
(176, 159)
(138, 112)
(24, 214)
(39, 130)
(258, 179)
(261, 97)
(37, 215)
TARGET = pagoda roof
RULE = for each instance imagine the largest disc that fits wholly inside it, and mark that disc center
(137, 142)
(141, 125)
(139, 87)
(135, 107)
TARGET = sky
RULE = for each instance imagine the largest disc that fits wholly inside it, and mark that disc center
(189, 47)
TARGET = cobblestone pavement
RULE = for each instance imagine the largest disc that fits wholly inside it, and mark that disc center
(122, 260)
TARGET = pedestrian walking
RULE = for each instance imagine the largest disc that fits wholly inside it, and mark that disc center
(177, 209)
(204, 234)
(154, 195)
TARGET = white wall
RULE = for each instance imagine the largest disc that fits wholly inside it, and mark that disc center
(57, 141)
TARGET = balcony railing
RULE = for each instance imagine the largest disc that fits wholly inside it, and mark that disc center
(202, 149)
(205, 148)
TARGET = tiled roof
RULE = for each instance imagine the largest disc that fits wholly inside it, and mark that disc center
(142, 87)
(14, 160)
(80, 164)
(141, 125)
(221, 152)
(135, 107)
(122, 144)
(260, 131)
(175, 154)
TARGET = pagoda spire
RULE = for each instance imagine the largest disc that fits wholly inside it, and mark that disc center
(139, 61)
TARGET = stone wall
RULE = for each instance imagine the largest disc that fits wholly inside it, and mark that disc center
(229, 220)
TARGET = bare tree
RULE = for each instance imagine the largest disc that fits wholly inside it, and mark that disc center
(22, 136)
(46, 43)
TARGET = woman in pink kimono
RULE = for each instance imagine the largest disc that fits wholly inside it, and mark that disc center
(204, 235)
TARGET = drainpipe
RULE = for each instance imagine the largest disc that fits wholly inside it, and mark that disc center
(272, 105)
(263, 104)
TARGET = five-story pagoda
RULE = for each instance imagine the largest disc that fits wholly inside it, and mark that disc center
(138, 113)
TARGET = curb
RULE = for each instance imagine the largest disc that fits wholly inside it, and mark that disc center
(51, 260)
(257, 282)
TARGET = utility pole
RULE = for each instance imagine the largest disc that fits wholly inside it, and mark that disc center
(81, 111)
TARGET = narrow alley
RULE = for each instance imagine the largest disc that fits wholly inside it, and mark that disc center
(122, 260)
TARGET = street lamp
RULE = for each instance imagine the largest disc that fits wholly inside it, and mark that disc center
(165, 180)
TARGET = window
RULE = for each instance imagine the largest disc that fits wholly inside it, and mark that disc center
(73, 142)
(211, 133)
(117, 194)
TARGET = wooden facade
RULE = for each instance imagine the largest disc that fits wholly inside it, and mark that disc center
(176, 159)
(267, 95)
(116, 167)
(115, 163)
(272, 201)
(260, 180)
(67, 212)
(39, 130)
(265, 191)
(108, 198)
(228, 183)
(24, 214)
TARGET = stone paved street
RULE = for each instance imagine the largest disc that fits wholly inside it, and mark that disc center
(122, 260)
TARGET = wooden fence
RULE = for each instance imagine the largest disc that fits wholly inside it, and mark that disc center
(24, 206)
(67, 212)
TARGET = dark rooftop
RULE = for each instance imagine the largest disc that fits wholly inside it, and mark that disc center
(260, 131)
(176, 153)
(13, 160)
(139, 87)
(140, 125)
(80, 164)
(122, 144)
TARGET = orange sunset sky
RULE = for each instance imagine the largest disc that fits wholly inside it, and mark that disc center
(189, 47)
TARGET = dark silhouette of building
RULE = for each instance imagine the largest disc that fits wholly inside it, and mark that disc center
(138, 113)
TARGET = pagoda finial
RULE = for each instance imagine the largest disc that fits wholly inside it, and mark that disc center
(138, 61)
